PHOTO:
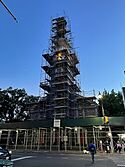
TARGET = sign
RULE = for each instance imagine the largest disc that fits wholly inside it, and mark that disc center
(56, 123)
(65, 138)
(106, 120)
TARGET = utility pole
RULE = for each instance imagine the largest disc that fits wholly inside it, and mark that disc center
(106, 121)
(8, 11)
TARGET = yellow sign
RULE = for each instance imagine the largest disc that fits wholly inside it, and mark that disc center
(106, 120)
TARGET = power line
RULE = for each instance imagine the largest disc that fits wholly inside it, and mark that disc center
(8, 11)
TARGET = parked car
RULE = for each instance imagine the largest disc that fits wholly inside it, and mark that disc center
(6, 163)
(5, 153)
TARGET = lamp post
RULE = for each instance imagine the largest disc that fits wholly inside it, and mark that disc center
(106, 120)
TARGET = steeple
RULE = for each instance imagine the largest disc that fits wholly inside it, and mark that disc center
(60, 84)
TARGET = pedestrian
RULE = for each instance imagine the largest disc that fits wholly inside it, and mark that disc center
(124, 146)
(119, 146)
(107, 146)
(92, 150)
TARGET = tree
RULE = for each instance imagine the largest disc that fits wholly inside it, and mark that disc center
(13, 104)
(112, 103)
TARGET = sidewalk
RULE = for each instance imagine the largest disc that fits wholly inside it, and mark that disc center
(67, 152)
(118, 159)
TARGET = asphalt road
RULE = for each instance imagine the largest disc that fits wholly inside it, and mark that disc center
(46, 159)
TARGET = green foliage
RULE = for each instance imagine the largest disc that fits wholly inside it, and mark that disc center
(14, 104)
(112, 103)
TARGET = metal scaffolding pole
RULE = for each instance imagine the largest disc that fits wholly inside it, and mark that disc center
(38, 131)
(32, 140)
(65, 139)
(79, 142)
(94, 135)
(86, 139)
(0, 134)
(110, 133)
(46, 139)
(51, 133)
(26, 139)
(59, 139)
(16, 139)
(8, 138)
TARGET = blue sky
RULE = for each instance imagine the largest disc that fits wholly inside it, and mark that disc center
(98, 30)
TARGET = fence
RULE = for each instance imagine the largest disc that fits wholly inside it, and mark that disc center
(68, 138)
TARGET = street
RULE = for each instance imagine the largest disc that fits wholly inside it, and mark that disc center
(47, 159)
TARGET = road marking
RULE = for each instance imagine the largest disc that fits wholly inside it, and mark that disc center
(62, 154)
(45, 151)
(17, 159)
(65, 158)
(48, 157)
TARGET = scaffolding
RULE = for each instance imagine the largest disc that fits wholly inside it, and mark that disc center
(59, 75)
(61, 93)
(60, 138)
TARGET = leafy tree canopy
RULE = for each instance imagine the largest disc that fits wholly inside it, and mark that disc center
(112, 103)
(13, 104)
